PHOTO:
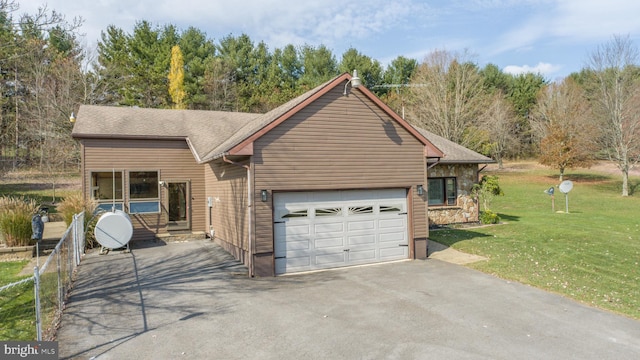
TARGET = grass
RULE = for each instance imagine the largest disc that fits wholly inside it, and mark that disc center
(591, 254)
(17, 307)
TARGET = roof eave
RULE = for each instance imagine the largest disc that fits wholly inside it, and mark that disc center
(490, 161)
(125, 137)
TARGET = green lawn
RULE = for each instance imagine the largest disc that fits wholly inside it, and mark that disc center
(17, 307)
(591, 254)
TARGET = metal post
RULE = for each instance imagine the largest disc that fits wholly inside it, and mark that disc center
(70, 260)
(76, 256)
(36, 287)
(60, 290)
(566, 200)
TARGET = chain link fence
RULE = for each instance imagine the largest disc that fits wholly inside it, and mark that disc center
(30, 309)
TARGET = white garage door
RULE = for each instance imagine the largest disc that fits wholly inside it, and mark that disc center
(327, 229)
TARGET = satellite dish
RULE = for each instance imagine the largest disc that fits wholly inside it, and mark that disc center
(566, 186)
(549, 191)
(114, 229)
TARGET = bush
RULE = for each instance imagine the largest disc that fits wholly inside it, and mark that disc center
(15, 220)
(75, 204)
(489, 217)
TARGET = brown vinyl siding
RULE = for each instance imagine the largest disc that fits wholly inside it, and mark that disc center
(172, 158)
(337, 142)
(227, 185)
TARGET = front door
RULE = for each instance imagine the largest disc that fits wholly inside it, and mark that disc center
(179, 205)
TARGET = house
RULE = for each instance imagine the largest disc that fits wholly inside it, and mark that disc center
(450, 180)
(331, 178)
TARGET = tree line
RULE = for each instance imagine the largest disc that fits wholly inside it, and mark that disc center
(45, 74)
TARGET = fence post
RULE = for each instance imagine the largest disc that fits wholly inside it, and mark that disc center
(74, 241)
(70, 260)
(60, 280)
(82, 235)
(36, 287)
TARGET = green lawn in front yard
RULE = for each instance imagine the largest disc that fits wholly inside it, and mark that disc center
(17, 307)
(591, 254)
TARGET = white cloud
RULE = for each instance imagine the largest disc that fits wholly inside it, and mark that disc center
(595, 19)
(540, 68)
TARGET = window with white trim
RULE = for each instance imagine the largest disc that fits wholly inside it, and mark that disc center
(144, 192)
(442, 191)
(106, 189)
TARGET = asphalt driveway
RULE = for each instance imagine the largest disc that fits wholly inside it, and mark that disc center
(191, 300)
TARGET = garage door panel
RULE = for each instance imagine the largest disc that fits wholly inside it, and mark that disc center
(297, 230)
(328, 229)
(325, 260)
(301, 263)
(330, 242)
(367, 239)
(392, 237)
(396, 222)
(360, 256)
(297, 245)
(394, 252)
(361, 225)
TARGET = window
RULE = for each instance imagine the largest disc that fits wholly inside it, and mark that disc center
(296, 213)
(335, 211)
(106, 188)
(390, 208)
(144, 192)
(357, 210)
(442, 191)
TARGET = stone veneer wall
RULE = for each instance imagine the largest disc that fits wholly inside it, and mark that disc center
(466, 209)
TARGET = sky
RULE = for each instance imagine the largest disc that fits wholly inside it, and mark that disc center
(550, 37)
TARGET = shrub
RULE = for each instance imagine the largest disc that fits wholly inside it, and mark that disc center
(489, 217)
(75, 204)
(15, 220)
(487, 189)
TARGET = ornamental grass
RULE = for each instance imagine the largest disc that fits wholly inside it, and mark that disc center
(75, 204)
(15, 220)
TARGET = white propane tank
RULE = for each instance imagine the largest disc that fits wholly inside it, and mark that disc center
(114, 229)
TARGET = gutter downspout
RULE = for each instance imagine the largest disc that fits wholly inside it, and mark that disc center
(249, 207)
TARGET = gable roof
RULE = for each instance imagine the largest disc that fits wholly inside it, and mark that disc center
(454, 153)
(245, 137)
(213, 134)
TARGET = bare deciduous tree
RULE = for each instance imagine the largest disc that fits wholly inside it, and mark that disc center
(562, 121)
(447, 97)
(499, 122)
(615, 89)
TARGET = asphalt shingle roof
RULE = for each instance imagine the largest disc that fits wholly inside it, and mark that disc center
(205, 130)
(211, 134)
(454, 153)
